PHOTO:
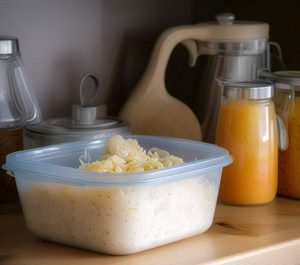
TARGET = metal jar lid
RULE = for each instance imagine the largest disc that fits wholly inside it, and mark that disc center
(9, 46)
(248, 90)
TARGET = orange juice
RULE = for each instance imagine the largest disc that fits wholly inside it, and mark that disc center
(247, 129)
(289, 160)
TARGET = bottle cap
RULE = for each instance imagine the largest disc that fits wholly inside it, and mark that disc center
(9, 45)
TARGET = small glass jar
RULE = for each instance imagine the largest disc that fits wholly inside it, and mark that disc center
(287, 101)
(247, 128)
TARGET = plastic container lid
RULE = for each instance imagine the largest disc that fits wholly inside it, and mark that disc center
(59, 163)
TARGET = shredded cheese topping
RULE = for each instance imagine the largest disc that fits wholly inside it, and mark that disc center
(121, 156)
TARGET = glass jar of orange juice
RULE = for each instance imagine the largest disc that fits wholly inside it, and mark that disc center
(288, 107)
(247, 128)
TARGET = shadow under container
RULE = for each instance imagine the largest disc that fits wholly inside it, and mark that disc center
(117, 213)
(288, 107)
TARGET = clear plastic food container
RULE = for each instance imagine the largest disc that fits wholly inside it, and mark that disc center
(118, 213)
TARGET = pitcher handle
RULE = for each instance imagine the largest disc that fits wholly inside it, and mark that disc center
(166, 44)
(279, 51)
(192, 47)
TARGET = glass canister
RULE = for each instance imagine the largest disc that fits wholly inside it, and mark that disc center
(247, 128)
(87, 122)
(287, 101)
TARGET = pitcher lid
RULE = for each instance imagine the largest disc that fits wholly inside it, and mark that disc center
(227, 29)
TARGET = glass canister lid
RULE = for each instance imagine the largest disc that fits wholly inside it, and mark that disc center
(59, 126)
(284, 79)
(86, 118)
(248, 90)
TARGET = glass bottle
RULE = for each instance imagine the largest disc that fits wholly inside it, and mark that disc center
(18, 106)
(247, 128)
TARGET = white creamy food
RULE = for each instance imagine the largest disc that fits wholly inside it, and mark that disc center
(123, 220)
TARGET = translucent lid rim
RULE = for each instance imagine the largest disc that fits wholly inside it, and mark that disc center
(27, 161)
